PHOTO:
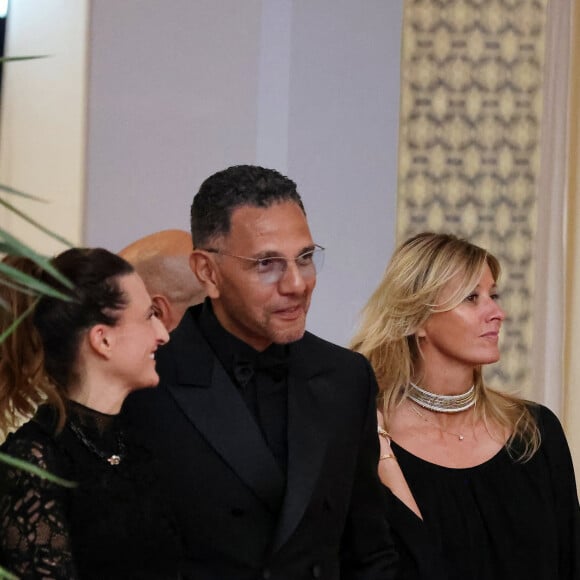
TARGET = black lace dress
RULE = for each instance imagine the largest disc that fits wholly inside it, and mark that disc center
(113, 525)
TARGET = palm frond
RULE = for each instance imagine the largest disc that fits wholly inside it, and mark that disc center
(5, 575)
(29, 284)
(13, 246)
(15, 58)
(19, 193)
(35, 470)
(16, 322)
(33, 222)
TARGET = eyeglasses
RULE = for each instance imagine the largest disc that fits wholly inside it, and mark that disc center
(271, 269)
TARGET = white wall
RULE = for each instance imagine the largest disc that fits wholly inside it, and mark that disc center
(343, 124)
(181, 89)
(173, 98)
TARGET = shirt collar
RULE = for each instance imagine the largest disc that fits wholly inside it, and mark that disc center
(227, 347)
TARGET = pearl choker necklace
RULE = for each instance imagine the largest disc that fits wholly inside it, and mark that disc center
(442, 403)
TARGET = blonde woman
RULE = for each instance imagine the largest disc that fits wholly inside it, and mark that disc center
(479, 483)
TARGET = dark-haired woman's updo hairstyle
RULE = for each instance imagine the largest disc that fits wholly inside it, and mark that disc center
(38, 361)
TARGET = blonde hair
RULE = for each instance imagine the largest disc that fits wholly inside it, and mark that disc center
(406, 297)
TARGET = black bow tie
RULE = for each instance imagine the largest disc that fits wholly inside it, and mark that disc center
(244, 369)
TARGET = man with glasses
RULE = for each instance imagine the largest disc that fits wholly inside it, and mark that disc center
(266, 435)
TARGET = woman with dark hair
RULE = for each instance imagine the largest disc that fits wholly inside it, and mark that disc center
(76, 361)
(479, 483)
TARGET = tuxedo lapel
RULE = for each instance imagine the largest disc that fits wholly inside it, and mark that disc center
(307, 441)
(214, 406)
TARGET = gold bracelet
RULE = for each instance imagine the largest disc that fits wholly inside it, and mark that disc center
(382, 433)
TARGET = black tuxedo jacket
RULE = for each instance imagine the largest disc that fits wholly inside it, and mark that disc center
(239, 517)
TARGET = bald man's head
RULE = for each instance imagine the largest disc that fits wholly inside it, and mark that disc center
(162, 260)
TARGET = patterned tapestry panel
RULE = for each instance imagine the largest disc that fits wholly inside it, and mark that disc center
(471, 103)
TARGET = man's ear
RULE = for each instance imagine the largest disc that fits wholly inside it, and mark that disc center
(163, 310)
(101, 340)
(203, 266)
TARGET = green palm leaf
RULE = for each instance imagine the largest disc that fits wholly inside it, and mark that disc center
(35, 470)
(33, 222)
(11, 245)
(19, 193)
(17, 279)
(5, 575)
(15, 58)
(28, 284)
(16, 322)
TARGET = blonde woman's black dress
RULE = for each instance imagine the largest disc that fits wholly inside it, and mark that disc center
(497, 521)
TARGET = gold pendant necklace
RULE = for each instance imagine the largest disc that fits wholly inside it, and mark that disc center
(459, 436)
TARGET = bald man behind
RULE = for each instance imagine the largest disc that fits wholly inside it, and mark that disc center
(162, 260)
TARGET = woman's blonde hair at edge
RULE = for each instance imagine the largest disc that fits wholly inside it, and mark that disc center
(407, 295)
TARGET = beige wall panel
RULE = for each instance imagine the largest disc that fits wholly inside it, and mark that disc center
(42, 139)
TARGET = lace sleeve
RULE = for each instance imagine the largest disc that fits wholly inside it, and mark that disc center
(34, 539)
